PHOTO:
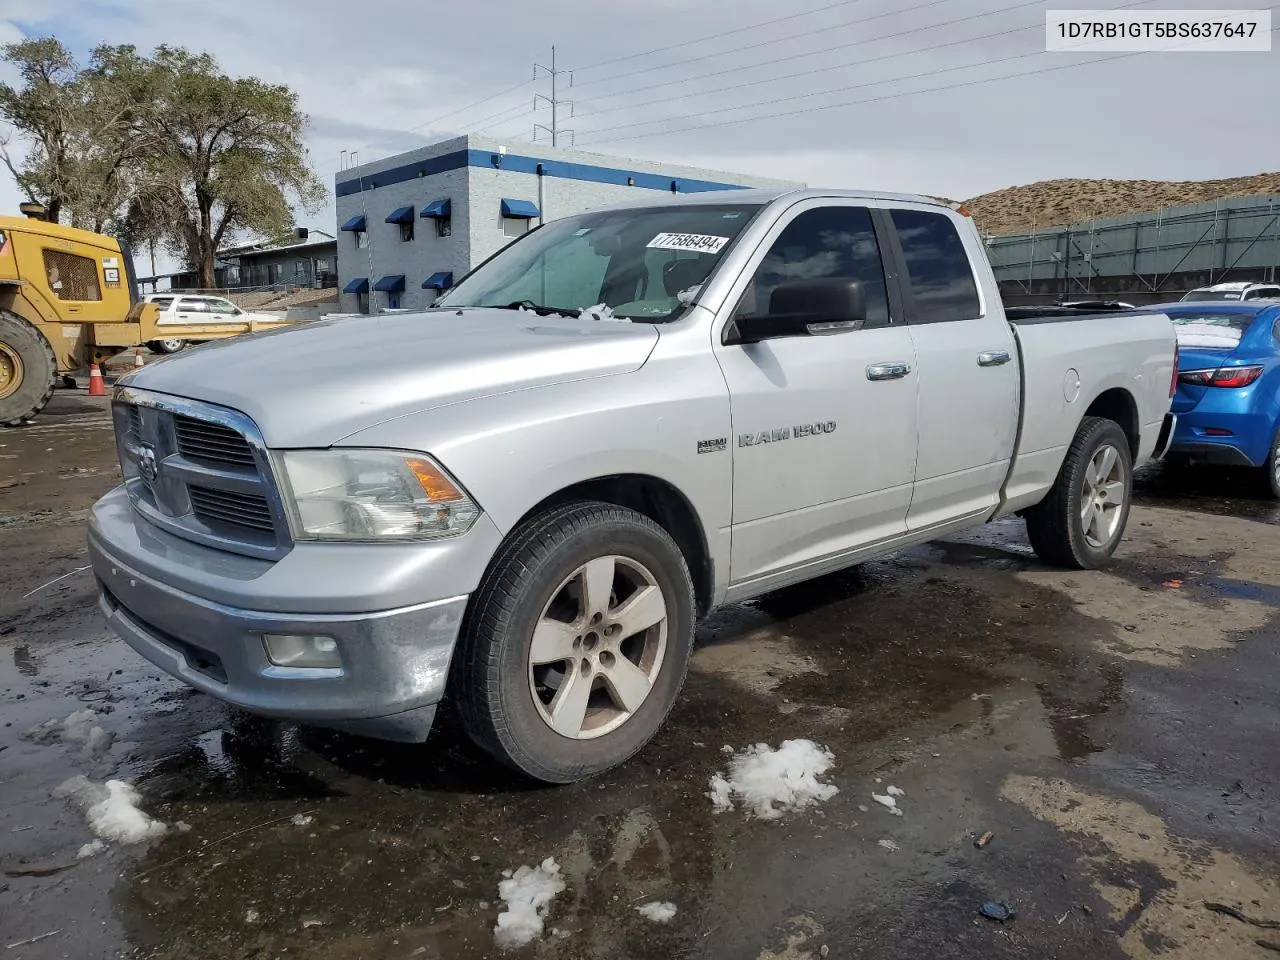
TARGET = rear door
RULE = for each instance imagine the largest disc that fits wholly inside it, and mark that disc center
(824, 426)
(967, 362)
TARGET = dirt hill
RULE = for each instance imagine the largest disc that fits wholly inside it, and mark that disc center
(1057, 202)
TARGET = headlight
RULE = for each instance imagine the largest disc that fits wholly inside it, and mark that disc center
(373, 495)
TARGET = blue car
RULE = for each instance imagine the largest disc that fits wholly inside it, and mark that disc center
(1228, 396)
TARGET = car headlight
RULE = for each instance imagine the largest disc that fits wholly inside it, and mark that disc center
(373, 495)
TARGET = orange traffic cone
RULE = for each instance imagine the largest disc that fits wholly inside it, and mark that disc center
(97, 387)
(137, 357)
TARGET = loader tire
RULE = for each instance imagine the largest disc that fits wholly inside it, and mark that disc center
(28, 370)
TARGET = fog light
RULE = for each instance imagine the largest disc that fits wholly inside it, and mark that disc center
(290, 650)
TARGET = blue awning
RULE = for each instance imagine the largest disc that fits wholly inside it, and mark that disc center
(401, 215)
(391, 284)
(358, 285)
(355, 223)
(436, 208)
(519, 209)
(438, 281)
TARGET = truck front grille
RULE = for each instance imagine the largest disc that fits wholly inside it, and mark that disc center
(232, 509)
(211, 442)
(200, 472)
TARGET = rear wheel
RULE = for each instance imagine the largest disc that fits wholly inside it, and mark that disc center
(1082, 519)
(28, 370)
(166, 346)
(1272, 467)
(576, 644)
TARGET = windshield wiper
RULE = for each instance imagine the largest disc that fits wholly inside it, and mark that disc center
(539, 309)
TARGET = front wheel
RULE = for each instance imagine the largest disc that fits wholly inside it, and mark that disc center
(166, 346)
(1081, 521)
(575, 646)
(28, 370)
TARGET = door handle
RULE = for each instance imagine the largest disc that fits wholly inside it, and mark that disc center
(888, 371)
(993, 358)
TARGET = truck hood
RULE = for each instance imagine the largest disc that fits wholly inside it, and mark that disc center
(312, 384)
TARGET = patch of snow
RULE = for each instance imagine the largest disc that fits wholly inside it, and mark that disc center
(686, 295)
(79, 728)
(528, 893)
(91, 849)
(182, 827)
(771, 782)
(657, 911)
(112, 809)
(863, 808)
(726, 749)
(895, 792)
(890, 846)
(251, 916)
(301, 820)
(601, 311)
(888, 802)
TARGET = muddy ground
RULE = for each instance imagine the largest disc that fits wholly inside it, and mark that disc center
(1118, 733)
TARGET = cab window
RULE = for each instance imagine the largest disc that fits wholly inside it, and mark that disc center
(828, 242)
(71, 277)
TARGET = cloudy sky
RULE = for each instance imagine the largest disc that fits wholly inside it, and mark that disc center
(860, 93)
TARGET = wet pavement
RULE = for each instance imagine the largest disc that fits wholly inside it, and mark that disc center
(1116, 732)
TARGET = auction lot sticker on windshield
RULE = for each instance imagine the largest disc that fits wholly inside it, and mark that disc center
(697, 242)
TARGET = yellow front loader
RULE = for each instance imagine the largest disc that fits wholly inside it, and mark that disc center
(68, 298)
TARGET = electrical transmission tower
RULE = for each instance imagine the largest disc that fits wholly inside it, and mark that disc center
(554, 101)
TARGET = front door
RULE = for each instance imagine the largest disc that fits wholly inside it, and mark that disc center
(824, 426)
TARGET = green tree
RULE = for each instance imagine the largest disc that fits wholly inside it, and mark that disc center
(47, 112)
(229, 157)
(163, 149)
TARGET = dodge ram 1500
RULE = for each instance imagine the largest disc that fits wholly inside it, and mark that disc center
(523, 498)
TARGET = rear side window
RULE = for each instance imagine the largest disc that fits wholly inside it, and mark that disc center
(938, 268)
(162, 302)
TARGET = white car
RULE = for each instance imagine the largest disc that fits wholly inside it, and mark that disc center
(1235, 291)
(178, 309)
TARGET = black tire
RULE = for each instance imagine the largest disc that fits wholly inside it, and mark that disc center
(1271, 469)
(493, 682)
(1055, 525)
(26, 355)
(166, 346)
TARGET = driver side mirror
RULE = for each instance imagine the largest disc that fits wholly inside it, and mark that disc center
(804, 308)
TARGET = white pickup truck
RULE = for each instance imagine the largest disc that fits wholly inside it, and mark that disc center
(522, 499)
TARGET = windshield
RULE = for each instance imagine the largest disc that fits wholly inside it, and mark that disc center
(1213, 295)
(1211, 329)
(642, 264)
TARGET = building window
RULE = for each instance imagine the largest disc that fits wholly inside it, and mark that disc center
(362, 239)
(406, 231)
(72, 277)
(514, 226)
(362, 302)
(444, 227)
(393, 301)
(273, 273)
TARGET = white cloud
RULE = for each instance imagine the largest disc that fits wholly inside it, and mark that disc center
(368, 73)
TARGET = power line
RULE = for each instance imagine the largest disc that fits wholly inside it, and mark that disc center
(884, 97)
(841, 46)
(820, 93)
(446, 116)
(824, 68)
(767, 43)
(717, 36)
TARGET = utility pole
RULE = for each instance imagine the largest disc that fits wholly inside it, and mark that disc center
(554, 100)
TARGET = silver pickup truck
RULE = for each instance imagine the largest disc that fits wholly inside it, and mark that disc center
(520, 501)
